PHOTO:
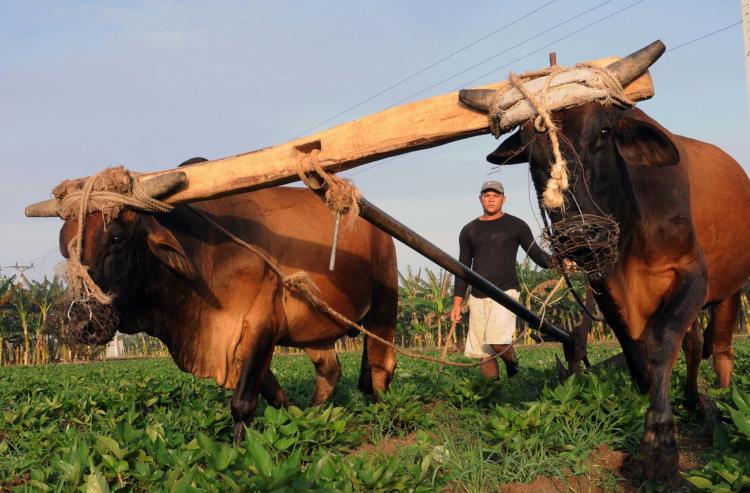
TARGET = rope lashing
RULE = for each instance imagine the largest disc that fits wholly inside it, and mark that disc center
(341, 196)
(107, 192)
(113, 189)
(305, 288)
(535, 95)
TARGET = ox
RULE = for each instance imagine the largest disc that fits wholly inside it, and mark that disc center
(680, 250)
(218, 307)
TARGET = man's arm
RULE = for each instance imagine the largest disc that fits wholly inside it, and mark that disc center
(526, 240)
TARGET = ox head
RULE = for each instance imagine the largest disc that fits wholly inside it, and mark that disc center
(599, 142)
(118, 253)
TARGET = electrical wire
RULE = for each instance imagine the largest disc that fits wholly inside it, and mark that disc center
(433, 64)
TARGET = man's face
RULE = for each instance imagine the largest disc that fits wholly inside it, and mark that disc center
(492, 202)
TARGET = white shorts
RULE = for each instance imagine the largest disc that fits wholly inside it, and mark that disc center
(489, 323)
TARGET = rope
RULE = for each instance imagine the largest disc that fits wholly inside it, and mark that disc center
(341, 196)
(603, 87)
(107, 192)
(300, 284)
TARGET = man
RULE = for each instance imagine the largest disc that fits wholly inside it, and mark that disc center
(489, 245)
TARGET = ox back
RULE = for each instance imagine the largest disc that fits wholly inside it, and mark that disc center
(209, 329)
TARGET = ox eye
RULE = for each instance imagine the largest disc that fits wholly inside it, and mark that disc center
(117, 238)
(605, 132)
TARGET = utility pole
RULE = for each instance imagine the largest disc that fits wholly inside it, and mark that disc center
(22, 281)
(746, 37)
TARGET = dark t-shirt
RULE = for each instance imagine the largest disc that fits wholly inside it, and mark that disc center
(490, 247)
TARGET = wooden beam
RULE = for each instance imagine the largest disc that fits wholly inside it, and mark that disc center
(398, 130)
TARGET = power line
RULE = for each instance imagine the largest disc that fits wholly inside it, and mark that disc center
(699, 38)
(22, 281)
(704, 36)
(577, 31)
(548, 30)
(421, 71)
(514, 61)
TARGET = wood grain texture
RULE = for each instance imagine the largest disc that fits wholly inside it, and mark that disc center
(406, 128)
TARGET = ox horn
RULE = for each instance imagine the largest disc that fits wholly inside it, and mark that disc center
(626, 70)
(155, 187)
(478, 99)
(47, 208)
(634, 65)
(164, 184)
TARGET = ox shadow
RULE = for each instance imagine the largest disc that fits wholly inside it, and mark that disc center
(192, 229)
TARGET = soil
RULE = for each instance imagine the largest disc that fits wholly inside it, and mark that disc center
(608, 471)
(9, 485)
(386, 446)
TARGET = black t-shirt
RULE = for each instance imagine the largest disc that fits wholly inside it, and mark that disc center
(490, 248)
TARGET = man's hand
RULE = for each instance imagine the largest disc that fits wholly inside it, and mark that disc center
(456, 310)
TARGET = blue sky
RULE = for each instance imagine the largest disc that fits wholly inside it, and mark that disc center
(86, 85)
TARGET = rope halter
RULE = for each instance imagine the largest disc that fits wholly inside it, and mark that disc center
(535, 95)
(107, 192)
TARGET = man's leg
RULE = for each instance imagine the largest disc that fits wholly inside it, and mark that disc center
(490, 369)
(475, 339)
(508, 355)
(501, 332)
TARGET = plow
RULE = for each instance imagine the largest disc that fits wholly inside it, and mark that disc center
(398, 130)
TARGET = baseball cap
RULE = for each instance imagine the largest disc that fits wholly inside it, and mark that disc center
(492, 185)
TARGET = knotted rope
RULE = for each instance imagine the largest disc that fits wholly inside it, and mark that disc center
(562, 87)
(107, 192)
(341, 196)
(113, 189)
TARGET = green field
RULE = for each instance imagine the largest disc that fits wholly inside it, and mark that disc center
(142, 425)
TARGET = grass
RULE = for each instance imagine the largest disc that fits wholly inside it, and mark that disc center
(142, 425)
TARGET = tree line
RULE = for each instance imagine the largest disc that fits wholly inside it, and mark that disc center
(32, 316)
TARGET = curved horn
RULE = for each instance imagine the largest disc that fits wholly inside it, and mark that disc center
(478, 99)
(634, 65)
(47, 208)
(163, 184)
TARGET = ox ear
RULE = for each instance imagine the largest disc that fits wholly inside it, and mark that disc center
(640, 143)
(168, 250)
(511, 151)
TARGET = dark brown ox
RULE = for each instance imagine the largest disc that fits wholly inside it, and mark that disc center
(221, 310)
(681, 205)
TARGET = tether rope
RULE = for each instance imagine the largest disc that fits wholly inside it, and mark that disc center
(341, 196)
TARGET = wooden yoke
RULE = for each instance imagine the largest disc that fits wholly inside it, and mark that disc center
(398, 130)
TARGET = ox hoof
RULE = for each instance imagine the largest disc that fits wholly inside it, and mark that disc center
(696, 406)
(651, 463)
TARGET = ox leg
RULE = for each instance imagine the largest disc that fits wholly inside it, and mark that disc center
(327, 373)
(382, 361)
(633, 351)
(365, 371)
(380, 358)
(724, 317)
(272, 391)
(253, 374)
(692, 346)
(658, 456)
(577, 353)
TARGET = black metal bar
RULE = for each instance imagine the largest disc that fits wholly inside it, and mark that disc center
(411, 239)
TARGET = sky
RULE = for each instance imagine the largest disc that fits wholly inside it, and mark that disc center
(87, 85)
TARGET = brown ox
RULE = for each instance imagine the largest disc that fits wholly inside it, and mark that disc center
(680, 249)
(219, 308)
